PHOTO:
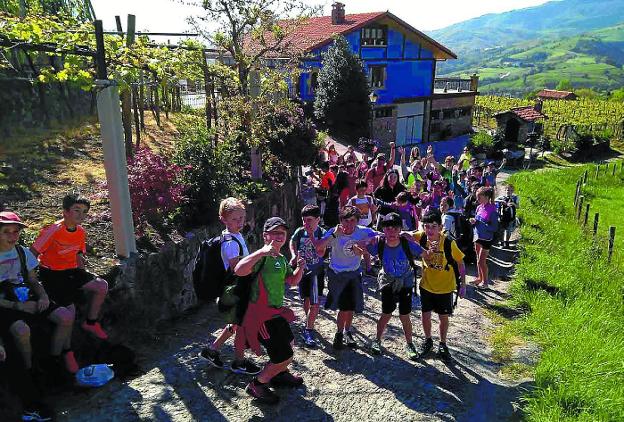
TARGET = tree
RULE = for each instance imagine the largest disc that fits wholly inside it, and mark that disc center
(564, 85)
(342, 101)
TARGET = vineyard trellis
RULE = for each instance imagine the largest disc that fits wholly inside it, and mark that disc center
(590, 116)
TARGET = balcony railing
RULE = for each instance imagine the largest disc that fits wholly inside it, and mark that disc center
(443, 85)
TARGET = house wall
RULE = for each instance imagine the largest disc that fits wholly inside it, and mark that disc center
(459, 122)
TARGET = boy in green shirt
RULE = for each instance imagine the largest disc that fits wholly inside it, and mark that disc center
(266, 321)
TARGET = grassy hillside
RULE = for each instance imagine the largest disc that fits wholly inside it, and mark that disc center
(573, 297)
(550, 20)
(592, 60)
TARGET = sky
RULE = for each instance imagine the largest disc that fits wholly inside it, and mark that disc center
(170, 15)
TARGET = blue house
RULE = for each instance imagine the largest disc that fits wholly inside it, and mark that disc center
(411, 107)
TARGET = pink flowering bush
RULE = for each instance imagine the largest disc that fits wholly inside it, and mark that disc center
(155, 191)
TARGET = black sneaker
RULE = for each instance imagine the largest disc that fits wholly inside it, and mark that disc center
(412, 353)
(261, 392)
(376, 347)
(308, 338)
(212, 356)
(425, 348)
(443, 352)
(245, 367)
(338, 344)
(286, 379)
(349, 339)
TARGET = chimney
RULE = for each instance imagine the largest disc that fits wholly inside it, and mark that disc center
(338, 13)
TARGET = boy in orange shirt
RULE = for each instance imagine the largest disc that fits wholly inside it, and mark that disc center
(60, 248)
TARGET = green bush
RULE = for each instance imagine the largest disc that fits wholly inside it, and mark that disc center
(481, 143)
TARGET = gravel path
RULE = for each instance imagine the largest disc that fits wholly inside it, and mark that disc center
(344, 386)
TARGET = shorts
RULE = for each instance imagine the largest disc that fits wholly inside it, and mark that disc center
(309, 288)
(9, 316)
(440, 303)
(345, 291)
(278, 346)
(389, 300)
(64, 286)
(486, 244)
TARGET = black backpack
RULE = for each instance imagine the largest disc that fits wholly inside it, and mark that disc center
(209, 275)
(506, 214)
(450, 262)
(406, 250)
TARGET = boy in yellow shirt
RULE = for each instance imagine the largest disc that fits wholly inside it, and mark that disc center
(442, 267)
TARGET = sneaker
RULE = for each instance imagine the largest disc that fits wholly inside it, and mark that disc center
(443, 352)
(425, 348)
(286, 379)
(412, 353)
(338, 341)
(308, 338)
(70, 362)
(95, 329)
(212, 356)
(261, 392)
(36, 412)
(350, 340)
(245, 367)
(376, 347)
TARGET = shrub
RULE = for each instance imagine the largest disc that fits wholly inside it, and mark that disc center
(481, 143)
(292, 137)
(155, 191)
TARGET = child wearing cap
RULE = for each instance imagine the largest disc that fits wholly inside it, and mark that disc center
(301, 245)
(23, 303)
(60, 248)
(396, 278)
(266, 321)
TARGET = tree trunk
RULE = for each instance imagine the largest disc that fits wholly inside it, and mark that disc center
(156, 105)
(142, 100)
(137, 118)
(126, 119)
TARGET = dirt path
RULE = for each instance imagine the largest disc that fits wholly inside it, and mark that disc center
(348, 385)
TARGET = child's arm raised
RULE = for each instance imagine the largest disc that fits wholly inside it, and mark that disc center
(296, 276)
(245, 265)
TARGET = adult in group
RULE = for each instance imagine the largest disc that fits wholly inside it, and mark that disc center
(485, 224)
(388, 191)
(464, 159)
(375, 175)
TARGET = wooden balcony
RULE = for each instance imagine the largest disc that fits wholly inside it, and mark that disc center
(455, 85)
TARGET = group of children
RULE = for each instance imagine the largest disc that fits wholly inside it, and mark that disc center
(266, 321)
(42, 285)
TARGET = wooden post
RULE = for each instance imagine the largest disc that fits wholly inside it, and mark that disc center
(580, 207)
(611, 241)
(586, 215)
(613, 171)
(576, 194)
(597, 170)
(585, 177)
(596, 218)
(256, 154)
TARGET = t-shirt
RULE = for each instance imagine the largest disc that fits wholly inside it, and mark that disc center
(465, 157)
(435, 278)
(273, 276)
(230, 249)
(59, 248)
(365, 207)
(328, 180)
(303, 244)
(395, 262)
(11, 271)
(487, 222)
(342, 257)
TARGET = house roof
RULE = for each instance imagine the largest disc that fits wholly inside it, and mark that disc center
(554, 94)
(316, 32)
(528, 113)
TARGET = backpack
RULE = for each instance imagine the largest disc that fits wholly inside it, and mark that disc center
(404, 246)
(506, 214)
(235, 298)
(209, 275)
(450, 262)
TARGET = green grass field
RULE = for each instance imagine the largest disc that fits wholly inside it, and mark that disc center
(575, 299)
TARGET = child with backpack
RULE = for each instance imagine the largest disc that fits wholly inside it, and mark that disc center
(507, 206)
(266, 320)
(396, 278)
(443, 273)
(301, 245)
(485, 223)
(228, 249)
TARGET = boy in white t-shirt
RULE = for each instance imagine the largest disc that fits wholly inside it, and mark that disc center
(366, 205)
(232, 214)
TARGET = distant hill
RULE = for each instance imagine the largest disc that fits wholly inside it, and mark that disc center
(526, 49)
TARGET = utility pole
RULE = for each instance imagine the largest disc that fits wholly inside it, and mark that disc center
(111, 129)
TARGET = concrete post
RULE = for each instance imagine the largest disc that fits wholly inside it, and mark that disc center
(109, 114)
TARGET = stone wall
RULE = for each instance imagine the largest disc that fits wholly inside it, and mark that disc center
(151, 288)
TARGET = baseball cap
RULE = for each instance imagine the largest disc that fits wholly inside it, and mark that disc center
(273, 223)
(391, 220)
(8, 217)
